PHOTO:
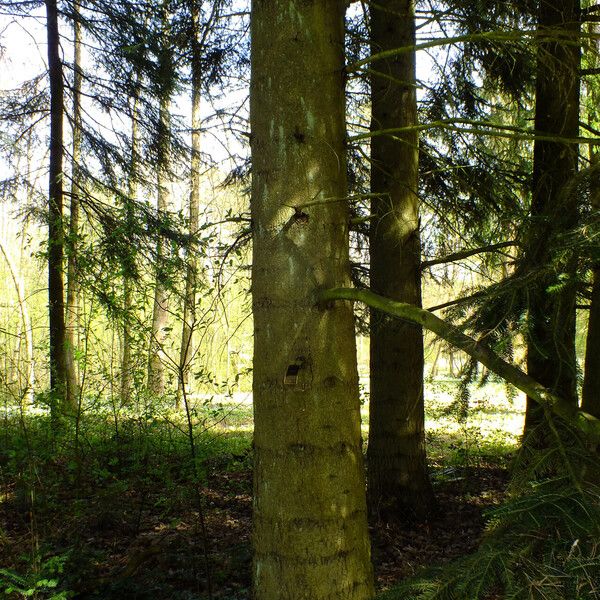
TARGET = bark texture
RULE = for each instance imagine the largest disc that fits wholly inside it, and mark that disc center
(397, 475)
(56, 302)
(310, 519)
(551, 326)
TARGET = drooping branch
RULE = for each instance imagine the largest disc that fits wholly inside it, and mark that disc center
(586, 423)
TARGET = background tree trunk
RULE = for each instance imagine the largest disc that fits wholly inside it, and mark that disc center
(551, 337)
(128, 267)
(71, 309)
(397, 475)
(310, 523)
(27, 383)
(189, 300)
(157, 357)
(591, 381)
(56, 303)
(590, 394)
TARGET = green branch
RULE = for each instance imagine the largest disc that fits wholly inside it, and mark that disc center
(477, 350)
(476, 127)
(490, 36)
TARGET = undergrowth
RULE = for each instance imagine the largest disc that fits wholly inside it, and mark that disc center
(543, 543)
(76, 503)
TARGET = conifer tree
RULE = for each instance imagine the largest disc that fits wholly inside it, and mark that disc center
(397, 475)
(310, 523)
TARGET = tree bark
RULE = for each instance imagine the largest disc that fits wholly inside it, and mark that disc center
(398, 482)
(551, 356)
(189, 300)
(72, 309)
(310, 520)
(56, 304)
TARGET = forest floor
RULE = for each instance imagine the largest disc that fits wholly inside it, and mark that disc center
(114, 512)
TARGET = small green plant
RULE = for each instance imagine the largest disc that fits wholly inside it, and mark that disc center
(37, 583)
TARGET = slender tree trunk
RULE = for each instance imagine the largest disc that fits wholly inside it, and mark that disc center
(128, 267)
(310, 520)
(156, 359)
(71, 309)
(591, 381)
(591, 374)
(398, 482)
(26, 390)
(158, 335)
(189, 300)
(551, 356)
(56, 303)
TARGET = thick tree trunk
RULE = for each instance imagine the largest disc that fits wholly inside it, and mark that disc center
(189, 300)
(56, 304)
(310, 520)
(551, 356)
(71, 309)
(397, 475)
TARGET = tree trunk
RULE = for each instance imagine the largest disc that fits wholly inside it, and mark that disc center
(310, 521)
(128, 267)
(398, 482)
(189, 300)
(27, 387)
(71, 309)
(157, 356)
(551, 356)
(591, 381)
(590, 395)
(156, 359)
(56, 304)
